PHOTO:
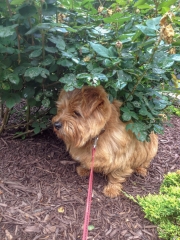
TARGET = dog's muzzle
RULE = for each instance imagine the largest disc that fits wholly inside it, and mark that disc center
(57, 125)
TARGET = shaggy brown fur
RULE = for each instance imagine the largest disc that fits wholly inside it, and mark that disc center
(85, 113)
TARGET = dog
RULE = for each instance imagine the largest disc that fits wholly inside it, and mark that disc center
(84, 114)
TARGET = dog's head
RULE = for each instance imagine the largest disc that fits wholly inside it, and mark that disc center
(81, 114)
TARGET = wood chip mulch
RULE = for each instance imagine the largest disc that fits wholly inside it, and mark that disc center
(42, 197)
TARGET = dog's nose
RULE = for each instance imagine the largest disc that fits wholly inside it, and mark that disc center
(57, 125)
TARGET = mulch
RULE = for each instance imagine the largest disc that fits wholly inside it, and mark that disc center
(42, 197)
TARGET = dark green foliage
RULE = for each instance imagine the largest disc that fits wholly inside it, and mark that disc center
(49, 45)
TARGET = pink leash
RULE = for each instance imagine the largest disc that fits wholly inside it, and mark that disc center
(89, 197)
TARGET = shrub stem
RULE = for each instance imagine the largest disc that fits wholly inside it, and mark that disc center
(5, 120)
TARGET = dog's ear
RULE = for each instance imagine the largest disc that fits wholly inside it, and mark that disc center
(93, 98)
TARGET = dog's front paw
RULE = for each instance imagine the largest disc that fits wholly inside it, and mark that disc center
(112, 190)
(141, 171)
(82, 171)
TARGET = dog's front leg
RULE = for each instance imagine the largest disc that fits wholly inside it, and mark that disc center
(115, 178)
(82, 172)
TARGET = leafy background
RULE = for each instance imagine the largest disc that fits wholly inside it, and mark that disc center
(129, 47)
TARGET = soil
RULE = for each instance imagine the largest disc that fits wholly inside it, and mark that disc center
(42, 197)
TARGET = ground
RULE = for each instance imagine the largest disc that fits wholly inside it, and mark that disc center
(42, 197)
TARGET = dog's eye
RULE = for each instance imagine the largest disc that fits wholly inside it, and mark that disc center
(77, 114)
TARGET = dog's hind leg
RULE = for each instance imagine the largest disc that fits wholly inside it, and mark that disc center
(115, 178)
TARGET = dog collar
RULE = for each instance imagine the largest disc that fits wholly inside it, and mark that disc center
(97, 137)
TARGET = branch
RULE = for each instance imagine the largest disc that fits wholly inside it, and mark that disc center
(5, 120)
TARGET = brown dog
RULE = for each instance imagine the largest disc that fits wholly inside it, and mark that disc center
(83, 114)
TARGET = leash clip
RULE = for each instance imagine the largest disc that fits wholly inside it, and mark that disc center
(95, 142)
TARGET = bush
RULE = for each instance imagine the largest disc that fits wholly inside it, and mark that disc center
(130, 49)
(164, 209)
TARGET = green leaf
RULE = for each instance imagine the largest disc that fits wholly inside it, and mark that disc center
(36, 71)
(84, 76)
(53, 68)
(125, 77)
(49, 10)
(35, 53)
(46, 102)
(119, 84)
(142, 136)
(44, 73)
(48, 60)
(48, 93)
(121, 2)
(84, 50)
(53, 78)
(65, 63)
(144, 112)
(61, 45)
(146, 30)
(38, 96)
(139, 2)
(158, 129)
(5, 86)
(167, 63)
(167, 3)
(50, 1)
(51, 49)
(7, 31)
(134, 115)
(126, 116)
(107, 62)
(100, 49)
(90, 227)
(145, 6)
(97, 70)
(10, 50)
(175, 57)
(67, 55)
(17, 2)
(112, 52)
(160, 104)
(117, 18)
(40, 26)
(12, 99)
(68, 78)
(55, 39)
(127, 55)
(100, 76)
(27, 10)
(33, 72)
(138, 129)
(158, 71)
(136, 104)
(14, 78)
(37, 129)
(28, 92)
(53, 111)
(153, 23)
(76, 60)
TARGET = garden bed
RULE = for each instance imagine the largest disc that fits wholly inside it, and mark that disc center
(42, 197)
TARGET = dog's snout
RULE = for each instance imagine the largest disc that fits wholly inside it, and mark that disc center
(57, 125)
